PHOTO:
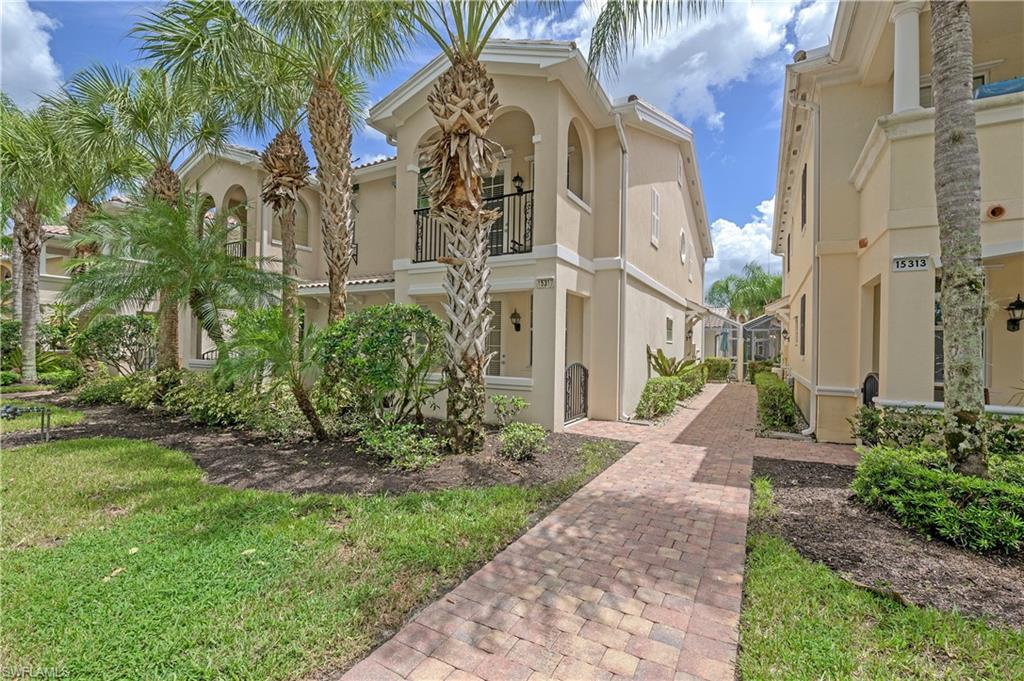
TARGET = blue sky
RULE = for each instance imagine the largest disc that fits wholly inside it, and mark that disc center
(721, 76)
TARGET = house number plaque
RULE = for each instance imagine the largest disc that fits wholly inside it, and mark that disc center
(545, 282)
(909, 263)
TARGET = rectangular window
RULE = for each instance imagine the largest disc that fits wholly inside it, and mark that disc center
(803, 324)
(803, 198)
(494, 340)
(679, 169)
(668, 330)
(655, 217)
(789, 250)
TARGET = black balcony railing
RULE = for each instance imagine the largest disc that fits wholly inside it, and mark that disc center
(236, 248)
(511, 233)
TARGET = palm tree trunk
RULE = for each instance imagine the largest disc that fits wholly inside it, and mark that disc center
(307, 408)
(958, 202)
(330, 131)
(76, 220)
(464, 103)
(165, 184)
(28, 226)
(17, 271)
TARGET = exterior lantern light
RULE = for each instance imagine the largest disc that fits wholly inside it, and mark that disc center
(516, 319)
(1016, 312)
(785, 333)
(518, 182)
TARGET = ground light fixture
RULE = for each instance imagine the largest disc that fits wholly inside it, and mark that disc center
(1016, 312)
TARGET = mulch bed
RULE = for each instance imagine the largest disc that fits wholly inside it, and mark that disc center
(243, 459)
(820, 519)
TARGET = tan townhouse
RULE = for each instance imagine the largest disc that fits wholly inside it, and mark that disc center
(855, 218)
(599, 251)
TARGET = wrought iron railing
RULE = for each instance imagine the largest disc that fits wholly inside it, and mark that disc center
(511, 233)
(236, 248)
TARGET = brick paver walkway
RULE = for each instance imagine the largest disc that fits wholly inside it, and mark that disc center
(636, 576)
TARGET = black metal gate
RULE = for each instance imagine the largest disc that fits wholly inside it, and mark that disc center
(575, 392)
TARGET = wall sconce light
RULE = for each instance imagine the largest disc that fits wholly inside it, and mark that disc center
(785, 333)
(689, 334)
(518, 182)
(1016, 312)
(516, 320)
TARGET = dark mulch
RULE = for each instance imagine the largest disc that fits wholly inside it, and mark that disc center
(818, 516)
(242, 459)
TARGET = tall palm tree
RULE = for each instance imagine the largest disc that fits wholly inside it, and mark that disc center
(32, 190)
(162, 118)
(746, 294)
(330, 44)
(174, 250)
(958, 203)
(214, 43)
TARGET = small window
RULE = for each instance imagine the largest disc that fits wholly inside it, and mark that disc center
(682, 246)
(301, 226)
(679, 168)
(803, 324)
(789, 250)
(575, 169)
(668, 330)
(422, 195)
(803, 198)
(655, 217)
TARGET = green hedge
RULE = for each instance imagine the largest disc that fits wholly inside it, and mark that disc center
(757, 366)
(658, 398)
(691, 382)
(915, 487)
(8, 377)
(718, 368)
(775, 406)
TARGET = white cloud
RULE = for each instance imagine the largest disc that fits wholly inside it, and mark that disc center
(27, 69)
(735, 246)
(814, 23)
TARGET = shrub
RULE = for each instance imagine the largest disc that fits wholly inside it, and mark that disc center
(718, 368)
(915, 487)
(102, 389)
(914, 427)
(143, 391)
(756, 366)
(522, 441)
(776, 409)
(203, 401)
(691, 382)
(58, 330)
(124, 342)
(664, 365)
(62, 379)
(658, 398)
(8, 377)
(506, 407)
(383, 354)
(10, 343)
(401, 445)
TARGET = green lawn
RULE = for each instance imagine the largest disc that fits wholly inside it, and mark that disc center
(26, 388)
(58, 417)
(119, 562)
(802, 621)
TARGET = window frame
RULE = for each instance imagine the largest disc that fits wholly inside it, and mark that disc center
(803, 198)
(669, 330)
(803, 324)
(655, 217)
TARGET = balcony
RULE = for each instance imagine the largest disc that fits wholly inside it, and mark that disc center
(511, 233)
(236, 248)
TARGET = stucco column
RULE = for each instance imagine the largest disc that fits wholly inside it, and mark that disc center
(906, 79)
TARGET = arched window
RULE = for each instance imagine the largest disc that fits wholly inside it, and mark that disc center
(301, 226)
(576, 163)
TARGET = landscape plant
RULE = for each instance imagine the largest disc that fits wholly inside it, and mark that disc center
(382, 355)
(102, 389)
(125, 343)
(658, 397)
(522, 441)
(403, 445)
(663, 365)
(745, 295)
(776, 410)
(718, 368)
(507, 407)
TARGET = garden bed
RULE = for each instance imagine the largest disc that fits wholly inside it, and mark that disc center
(246, 460)
(817, 515)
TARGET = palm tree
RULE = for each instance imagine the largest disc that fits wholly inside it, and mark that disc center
(958, 204)
(161, 118)
(31, 190)
(176, 250)
(261, 350)
(215, 45)
(326, 43)
(746, 295)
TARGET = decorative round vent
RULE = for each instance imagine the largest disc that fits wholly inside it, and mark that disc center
(995, 212)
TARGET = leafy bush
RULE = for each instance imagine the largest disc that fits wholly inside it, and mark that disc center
(401, 445)
(203, 401)
(124, 342)
(776, 409)
(10, 343)
(664, 365)
(718, 368)
(143, 391)
(383, 354)
(522, 441)
(506, 407)
(103, 389)
(8, 377)
(915, 427)
(658, 398)
(915, 486)
(691, 382)
(756, 366)
(62, 379)
(58, 330)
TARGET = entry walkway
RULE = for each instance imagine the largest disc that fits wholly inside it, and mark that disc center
(636, 576)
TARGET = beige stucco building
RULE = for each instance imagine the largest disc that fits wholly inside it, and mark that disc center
(855, 218)
(600, 250)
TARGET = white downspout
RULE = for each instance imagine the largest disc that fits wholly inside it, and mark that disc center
(815, 110)
(623, 215)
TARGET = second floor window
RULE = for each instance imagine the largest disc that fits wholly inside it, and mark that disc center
(803, 198)
(668, 329)
(301, 226)
(655, 216)
(803, 324)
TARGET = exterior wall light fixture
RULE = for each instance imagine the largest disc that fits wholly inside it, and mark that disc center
(1016, 312)
(518, 182)
(517, 320)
